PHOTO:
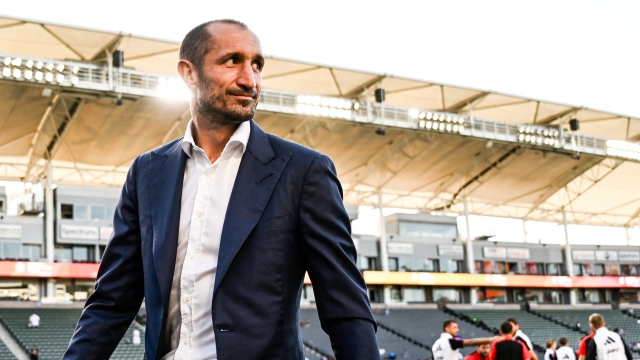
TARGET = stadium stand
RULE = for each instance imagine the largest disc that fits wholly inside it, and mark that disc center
(5, 353)
(55, 330)
(313, 336)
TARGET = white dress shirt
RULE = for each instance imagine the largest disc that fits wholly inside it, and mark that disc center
(205, 195)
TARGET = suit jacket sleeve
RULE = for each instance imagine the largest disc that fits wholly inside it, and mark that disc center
(119, 286)
(330, 255)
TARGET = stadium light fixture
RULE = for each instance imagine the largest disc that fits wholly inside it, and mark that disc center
(60, 67)
(60, 78)
(75, 69)
(7, 61)
(6, 72)
(16, 62)
(29, 63)
(433, 121)
(39, 75)
(39, 65)
(49, 66)
(623, 149)
(17, 73)
(28, 74)
(539, 135)
(49, 77)
(74, 80)
(324, 106)
(172, 88)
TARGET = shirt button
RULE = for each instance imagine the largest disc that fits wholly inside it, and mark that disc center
(207, 174)
(185, 341)
(199, 213)
(192, 256)
(187, 298)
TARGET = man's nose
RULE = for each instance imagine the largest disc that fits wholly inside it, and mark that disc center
(246, 77)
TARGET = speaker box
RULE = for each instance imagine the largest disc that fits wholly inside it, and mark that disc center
(118, 59)
(574, 125)
(379, 95)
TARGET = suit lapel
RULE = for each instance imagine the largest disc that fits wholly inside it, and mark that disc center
(166, 175)
(257, 177)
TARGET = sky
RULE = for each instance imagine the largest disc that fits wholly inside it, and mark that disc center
(583, 53)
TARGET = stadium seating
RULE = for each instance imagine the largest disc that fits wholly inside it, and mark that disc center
(5, 353)
(314, 336)
(425, 326)
(55, 331)
(613, 318)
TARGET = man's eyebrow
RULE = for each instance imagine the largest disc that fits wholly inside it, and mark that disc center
(260, 58)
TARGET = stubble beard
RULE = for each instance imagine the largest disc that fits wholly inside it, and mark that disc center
(218, 112)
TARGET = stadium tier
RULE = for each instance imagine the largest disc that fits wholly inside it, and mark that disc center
(55, 330)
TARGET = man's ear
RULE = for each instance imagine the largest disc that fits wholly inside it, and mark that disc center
(188, 73)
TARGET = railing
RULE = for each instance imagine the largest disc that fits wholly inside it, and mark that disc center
(87, 76)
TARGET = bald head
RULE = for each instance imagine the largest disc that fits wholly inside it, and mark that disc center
(197, 42)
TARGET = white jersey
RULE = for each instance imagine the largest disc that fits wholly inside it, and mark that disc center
(446, 348)
(565, 353)
(608, 345)
(548, 355)
(520, 336)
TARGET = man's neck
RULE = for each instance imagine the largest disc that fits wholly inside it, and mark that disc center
(210, 137)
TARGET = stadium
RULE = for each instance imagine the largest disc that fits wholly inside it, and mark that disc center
(446, 162)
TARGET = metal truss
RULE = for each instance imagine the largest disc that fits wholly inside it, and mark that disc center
(399, 153)
(54, 125)
(572, 190)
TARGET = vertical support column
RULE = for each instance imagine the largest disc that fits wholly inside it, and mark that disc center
(626, 229)
(568, 257)
(471, 264)
(97, 253)
(384, 256)
(49, 216)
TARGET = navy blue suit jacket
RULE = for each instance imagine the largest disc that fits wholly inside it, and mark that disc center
(285, 217)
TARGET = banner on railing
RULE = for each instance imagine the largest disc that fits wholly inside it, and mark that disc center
(496, 280)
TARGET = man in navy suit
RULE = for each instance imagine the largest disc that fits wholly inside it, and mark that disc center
(216, 230)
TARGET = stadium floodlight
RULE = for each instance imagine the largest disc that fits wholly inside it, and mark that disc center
(325, 106)
(6, 72)
(172, 88)
(60, 78)
(539, 135)
(39, 76)
(623, 149)
(49, 77)
(28, 74)
(414, 113)
(74, 80)
(16, 62)
(60, 67)
(49, 66)
(39, 65)
(17, 73)
(29, 63)
(75, 69)
(7, 61)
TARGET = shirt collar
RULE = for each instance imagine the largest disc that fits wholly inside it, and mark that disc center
(446, 335)
(240, 136)
(601, 330)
